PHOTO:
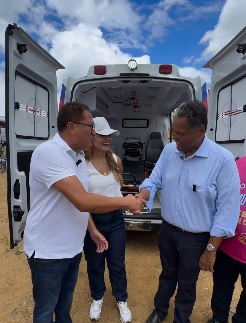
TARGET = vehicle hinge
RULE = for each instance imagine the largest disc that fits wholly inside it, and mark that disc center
(17, 213)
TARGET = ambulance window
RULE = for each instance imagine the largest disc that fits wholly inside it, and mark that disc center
(31, 109)
(238, 120)
(230, 119)
(135, 123)
(223, 122)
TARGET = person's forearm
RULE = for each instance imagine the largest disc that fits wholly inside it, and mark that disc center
(95, 203)
(144, 193)
(91, 224)
(74, 191)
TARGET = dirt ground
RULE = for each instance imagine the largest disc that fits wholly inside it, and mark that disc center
(143, 268)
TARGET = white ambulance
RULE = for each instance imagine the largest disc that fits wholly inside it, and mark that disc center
(136, 99)
(227, 96)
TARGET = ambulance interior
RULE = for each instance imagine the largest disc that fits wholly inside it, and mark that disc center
(141, 109)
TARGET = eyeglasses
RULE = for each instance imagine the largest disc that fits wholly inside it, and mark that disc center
(92, 126)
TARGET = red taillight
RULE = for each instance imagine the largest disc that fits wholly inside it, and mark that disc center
(100, 70)
(165, 69)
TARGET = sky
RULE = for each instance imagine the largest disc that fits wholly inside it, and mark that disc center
(81, 33)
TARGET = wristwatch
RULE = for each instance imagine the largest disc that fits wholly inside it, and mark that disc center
(210, 247)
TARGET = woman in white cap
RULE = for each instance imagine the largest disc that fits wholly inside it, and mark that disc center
(104, 171)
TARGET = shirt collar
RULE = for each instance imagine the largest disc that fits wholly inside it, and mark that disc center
(202, 151)
(62, 143)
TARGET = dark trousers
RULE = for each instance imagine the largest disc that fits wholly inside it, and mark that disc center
(115, 256)
(53, 282)
(180, 253)
(226, 272)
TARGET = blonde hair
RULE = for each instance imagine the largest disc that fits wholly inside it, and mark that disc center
(112, 164)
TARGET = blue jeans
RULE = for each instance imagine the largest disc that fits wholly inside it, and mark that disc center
(53, 282)
(115, 256)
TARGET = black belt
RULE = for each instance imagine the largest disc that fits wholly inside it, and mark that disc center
(184, 231)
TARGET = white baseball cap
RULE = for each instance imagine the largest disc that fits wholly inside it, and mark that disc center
(103, 128)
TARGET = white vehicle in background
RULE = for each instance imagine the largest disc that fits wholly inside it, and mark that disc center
(227, 96)
(138, 100)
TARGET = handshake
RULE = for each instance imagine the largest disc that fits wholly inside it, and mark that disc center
(134, 203)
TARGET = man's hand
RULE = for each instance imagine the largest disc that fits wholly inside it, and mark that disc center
(137, 196)
(135, 204)
(144, 194)
(100, 241)
(207, 260)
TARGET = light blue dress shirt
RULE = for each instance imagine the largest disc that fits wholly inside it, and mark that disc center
(200, 193)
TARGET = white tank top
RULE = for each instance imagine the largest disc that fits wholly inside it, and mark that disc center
(105, 185)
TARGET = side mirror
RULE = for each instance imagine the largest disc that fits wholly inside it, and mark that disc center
(244, 108)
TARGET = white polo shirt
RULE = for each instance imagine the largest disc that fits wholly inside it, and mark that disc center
(55, 229)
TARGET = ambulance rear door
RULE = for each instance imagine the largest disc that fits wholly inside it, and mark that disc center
(30, 114)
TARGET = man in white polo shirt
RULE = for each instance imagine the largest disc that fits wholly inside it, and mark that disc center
(58, 217)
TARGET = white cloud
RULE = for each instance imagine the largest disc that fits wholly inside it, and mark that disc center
(79, 48)
(9, 13)
(231, 21)
(194, 72)
(165, 14)
(83, 46)
(160, 19)
(172, 14)
(119, 18)
(106, 13)
(188, 60)
(190, 11)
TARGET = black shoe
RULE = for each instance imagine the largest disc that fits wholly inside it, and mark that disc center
(212, 320)
(155, 318)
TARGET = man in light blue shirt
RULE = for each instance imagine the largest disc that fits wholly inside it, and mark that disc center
(200, 204)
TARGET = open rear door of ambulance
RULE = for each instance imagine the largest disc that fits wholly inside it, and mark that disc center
(30, 114)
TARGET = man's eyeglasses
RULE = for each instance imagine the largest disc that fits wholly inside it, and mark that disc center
(92, 125)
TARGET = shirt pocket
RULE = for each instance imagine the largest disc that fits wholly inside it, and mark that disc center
(203, 192)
